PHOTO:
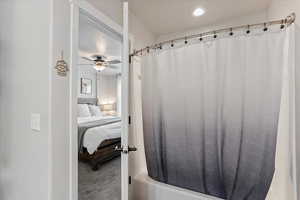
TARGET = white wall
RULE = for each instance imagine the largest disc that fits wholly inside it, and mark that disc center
(59, 105)
(107, 89)
(89, 73)
(279, 9)
(104, 86)
(24, 89)
(34, 165)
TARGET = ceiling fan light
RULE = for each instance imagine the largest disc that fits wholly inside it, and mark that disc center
(99, 67)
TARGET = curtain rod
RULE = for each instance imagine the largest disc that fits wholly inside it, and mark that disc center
(283, 22)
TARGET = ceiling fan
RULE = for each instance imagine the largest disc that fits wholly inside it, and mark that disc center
(101, 62)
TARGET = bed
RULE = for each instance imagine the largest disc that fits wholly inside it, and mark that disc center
(98, 136)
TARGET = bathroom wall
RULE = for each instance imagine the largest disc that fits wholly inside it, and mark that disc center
(24, 89)
(279, 9)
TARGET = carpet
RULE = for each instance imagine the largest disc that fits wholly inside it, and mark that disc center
(103, 184)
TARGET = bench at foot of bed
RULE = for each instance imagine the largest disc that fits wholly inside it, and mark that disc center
(105, 152)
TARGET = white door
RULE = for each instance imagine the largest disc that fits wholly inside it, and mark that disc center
(125, 105)
(85, 7)
(126, 149)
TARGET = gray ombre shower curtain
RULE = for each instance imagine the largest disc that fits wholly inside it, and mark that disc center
(211, 113)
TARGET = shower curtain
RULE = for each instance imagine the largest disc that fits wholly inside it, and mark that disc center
(211, 113)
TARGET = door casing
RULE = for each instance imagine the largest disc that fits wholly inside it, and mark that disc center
(78, 6)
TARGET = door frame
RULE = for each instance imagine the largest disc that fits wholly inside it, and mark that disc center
(78, 6)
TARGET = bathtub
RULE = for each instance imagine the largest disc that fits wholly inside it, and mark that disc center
(145, 188)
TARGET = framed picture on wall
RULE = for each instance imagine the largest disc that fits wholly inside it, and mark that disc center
(86, 86)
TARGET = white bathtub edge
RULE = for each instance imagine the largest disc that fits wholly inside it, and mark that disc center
(146, 188)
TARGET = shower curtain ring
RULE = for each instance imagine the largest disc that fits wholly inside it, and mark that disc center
(215, 35)
(185, 41)
(201, 37)
(248, 31)
(265, 27)
(282, 26)
(231, 32)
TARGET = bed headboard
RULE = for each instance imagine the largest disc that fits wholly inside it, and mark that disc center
(91, 101)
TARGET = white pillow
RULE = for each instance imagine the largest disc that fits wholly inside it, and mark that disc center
(95, 110)
(83, 110)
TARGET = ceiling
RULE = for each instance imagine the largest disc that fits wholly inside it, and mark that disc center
(94, 38)
(170, 16)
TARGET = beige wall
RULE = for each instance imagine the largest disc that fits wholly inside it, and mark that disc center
(281, 8)
(247, 19)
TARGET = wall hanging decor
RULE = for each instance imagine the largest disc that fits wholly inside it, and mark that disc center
(62, 66)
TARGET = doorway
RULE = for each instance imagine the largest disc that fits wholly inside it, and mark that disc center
(99, 111)
(99, 106)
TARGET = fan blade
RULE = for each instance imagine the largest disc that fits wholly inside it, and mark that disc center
(89, 59)
(113, 62)
(86, 64)
(113, 66)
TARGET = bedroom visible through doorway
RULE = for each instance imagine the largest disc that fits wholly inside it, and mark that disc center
(99, 110)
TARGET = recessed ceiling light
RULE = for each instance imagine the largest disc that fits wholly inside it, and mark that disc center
(198, 12)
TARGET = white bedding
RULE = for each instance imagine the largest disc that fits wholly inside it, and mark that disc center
(81, 120)
(95, 136)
